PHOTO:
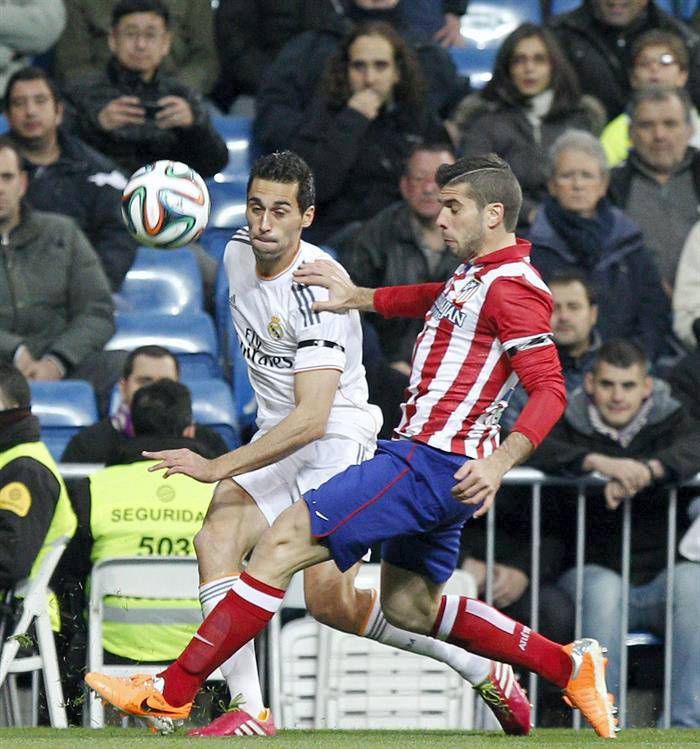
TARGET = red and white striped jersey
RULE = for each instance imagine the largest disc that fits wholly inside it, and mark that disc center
(462, 372)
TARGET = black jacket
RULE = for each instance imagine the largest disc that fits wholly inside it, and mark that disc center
(132, 146)
(385, 252)
(87, 186)
(99, 442)
(670, 435)
(22, 536)
(601, 55)
(684, 380)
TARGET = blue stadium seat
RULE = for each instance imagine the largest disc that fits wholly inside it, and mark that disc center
(475, 63)
(685, 9)
(163, 281)
(488, 23)
(190, 336)
(237, 131)
(234, 363)
(228, 201)
(3, 124)
(563, 6)
(63, 408)
(213, 406)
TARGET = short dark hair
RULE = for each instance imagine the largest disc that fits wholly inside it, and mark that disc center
(14, 387)
(661, 38)
(490, 180)
(127, 7)
(30, 73)
(7, 142)
(154, 352)
(620, 353)
(161, 409)
(566, 277)
(288, 168)
(659, 94)
(433, 146)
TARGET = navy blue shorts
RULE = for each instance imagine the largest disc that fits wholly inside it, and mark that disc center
(400, 497)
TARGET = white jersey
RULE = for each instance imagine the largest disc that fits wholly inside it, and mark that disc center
(281, 335)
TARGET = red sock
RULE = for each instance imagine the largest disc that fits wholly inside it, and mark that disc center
(239, 617)
(481, 629)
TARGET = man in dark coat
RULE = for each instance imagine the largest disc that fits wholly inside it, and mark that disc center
(627, 427)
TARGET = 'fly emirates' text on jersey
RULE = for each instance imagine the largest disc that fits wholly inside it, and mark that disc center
(281, 335)
(488, 325)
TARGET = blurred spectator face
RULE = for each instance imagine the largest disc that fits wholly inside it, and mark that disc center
(573, 317)
(530, 67)
(13, 185)
(656, 65)
(140, 41)
(660, 133)
(32, 112)
(618, 392)
(578, 182)
(147, 369)
(418, 186)
(618, 12)
(371, 64)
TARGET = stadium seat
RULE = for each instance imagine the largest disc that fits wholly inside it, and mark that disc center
(163, 281)
(135, 577)
(668, 6)
(63, 408)
(488, 23)
(234, 363)
(563, 6)
(685, 9)
(34, 624)
(215, 240)
(3, 124)
(475, 62)
(228, 200)
(190, 336)
(213, 406)
(237, 131)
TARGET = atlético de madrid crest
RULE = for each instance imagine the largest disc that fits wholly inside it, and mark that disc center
(274, 327)
(467, 291)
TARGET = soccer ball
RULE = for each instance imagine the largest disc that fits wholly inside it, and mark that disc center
(165, 204)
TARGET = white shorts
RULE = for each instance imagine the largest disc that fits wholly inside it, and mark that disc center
(278, 486)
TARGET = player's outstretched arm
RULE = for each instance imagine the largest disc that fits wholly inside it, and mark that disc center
(344, 295)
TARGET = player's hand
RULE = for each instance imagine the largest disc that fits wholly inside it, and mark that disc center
(46, 369)
(332, 277)
(182, 461)
(450, 34)
(509, 584)
(478, 482)
(174, 112)
(367, 102)
(124, 110)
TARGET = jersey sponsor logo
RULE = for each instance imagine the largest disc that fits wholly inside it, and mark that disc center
(251, 349)
(275, 328)
(442, 307)
(16, 498)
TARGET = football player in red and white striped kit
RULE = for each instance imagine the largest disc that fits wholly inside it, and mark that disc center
(487, 327)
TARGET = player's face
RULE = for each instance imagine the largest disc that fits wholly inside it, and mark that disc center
(656, 65)
(618, 392)
(140, 41)
(418, 186)
(573, 317)
(275, 223)
(660, 133)
(371, 65)
(578, 182)
(530, 66)
(13, 185)
(461, 221)
(619, 12)
(32, 112)
(146, 370)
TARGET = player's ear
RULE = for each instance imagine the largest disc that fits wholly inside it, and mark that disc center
(308, 217)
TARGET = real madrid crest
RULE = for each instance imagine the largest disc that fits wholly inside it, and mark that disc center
(274, 327)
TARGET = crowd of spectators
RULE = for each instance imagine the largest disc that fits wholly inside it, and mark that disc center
(596, 110)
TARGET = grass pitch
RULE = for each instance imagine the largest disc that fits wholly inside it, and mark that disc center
(120, 738)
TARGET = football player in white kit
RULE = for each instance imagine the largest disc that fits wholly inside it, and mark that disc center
(313, 421)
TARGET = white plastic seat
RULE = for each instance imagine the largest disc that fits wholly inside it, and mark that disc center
(35, 594)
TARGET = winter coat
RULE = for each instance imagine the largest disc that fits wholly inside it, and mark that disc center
(601, 55)
(132, 146)
(631, 301)
(54, 295)
(669, 435)
(86, 186)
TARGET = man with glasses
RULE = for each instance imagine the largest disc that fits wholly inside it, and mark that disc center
(134, 112)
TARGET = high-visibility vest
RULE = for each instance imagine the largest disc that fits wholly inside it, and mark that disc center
(137, 513)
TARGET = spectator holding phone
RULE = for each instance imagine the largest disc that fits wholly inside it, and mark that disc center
(133, 111)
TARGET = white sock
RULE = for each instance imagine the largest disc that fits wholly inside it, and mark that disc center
(241, 669)
(471, 667)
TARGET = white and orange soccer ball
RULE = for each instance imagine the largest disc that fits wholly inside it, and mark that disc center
(165, 204)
